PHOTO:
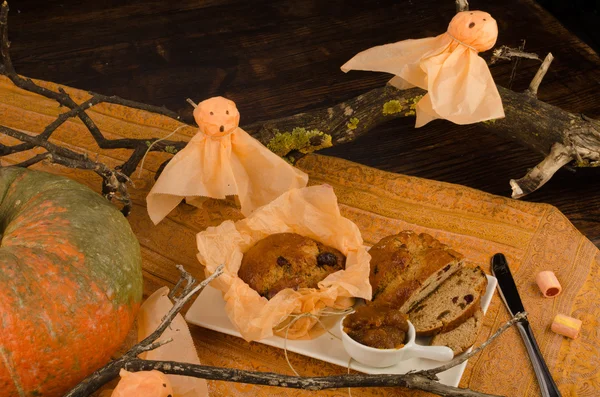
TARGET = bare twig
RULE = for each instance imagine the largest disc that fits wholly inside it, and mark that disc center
(462, 5)
(68, 158)
(507, 53)
(516, 61)
(33, 160)
(539, 76)
(185, 277)
(409, 381)
(189, 291)
(541, 173)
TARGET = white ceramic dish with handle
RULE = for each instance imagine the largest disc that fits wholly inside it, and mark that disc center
(381, 358)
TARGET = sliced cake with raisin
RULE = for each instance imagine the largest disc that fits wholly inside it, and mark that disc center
(462, 337)
(451, 304)
(407, 267)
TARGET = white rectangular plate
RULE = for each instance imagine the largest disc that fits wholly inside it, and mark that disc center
(208, 311)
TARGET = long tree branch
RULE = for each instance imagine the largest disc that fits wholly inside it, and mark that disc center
(71, 159)
(410, 381)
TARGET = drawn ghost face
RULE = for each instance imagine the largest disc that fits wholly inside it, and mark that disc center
(217, 116)
(475, 28)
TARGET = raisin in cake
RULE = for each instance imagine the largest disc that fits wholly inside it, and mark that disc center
(457, 299)
(462, 337)
(288, 260)
(407, 267)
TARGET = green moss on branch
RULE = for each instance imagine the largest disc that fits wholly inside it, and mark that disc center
(300, 139)
(392, 107)
(353, 123)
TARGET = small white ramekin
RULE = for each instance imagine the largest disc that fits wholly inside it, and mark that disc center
(381, 358)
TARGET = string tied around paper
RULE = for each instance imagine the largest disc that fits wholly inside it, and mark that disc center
(154, 143)
(188, 100)
(324, 313)
(462, 42)
(296, 317)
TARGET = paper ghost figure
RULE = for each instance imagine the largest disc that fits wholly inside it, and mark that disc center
(143, 384)
(459, 85)
(219, 161)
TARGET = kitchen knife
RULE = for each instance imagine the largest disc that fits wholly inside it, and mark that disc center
(510, 295)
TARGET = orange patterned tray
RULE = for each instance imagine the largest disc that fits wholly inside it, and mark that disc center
(534, 237)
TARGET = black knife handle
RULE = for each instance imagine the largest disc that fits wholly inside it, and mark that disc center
(547, 385)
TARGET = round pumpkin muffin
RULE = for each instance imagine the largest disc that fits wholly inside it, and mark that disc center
(288, 260)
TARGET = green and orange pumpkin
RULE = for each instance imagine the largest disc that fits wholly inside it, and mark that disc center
(70, 282)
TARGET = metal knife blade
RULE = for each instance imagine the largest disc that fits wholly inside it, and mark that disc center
(506, 285)
(510, 296)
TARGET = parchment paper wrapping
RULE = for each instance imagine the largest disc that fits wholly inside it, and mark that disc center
(312, 212)
(181, 349)
(222, 160)
(459, 85)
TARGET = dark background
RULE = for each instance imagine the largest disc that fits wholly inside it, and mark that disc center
(276, 58)
(581, 17)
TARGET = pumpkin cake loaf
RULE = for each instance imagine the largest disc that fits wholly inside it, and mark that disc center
(378, 326)
(288, 260)
(462, 337)
(407, 267)
(457, 299)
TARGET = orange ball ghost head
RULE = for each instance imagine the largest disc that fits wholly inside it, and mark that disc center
(474, 28)
(217, 116)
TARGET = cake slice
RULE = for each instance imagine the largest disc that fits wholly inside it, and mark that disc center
(407, 267)
(462, 337)
(455, 300)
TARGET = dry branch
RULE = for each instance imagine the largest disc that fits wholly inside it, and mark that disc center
(507, 53)
(462, 5)
(559, 156)
(410, 381)
(539, 76)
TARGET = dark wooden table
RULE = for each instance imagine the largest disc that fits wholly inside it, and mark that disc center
(277, 58)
